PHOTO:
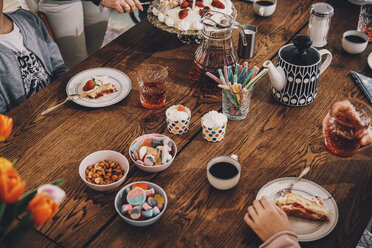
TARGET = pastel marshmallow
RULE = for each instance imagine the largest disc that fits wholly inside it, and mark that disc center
(165, 153)
(149, 160)
(156, 143)
(134, 147)
(142, 152)
(136, 196)
(146, 206)
(135, 155)
(155, 211)
(150, 192)
(152, 201)
(136, 213)
(140, 162)
(127, 208)
(160, 206)
(147, 214)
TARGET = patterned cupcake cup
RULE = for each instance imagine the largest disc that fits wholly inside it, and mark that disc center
(178, 126)
(214, 134)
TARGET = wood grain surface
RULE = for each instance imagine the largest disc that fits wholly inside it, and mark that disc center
(273, 141)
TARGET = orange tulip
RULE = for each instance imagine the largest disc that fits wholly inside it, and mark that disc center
(6, 126)
(11, 186)
(5, 164)
(43, 208)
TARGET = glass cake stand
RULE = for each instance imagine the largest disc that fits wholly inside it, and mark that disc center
(187, 37)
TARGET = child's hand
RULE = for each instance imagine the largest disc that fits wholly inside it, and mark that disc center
(266, 219)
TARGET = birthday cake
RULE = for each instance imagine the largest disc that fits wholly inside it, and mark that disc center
(185, 15)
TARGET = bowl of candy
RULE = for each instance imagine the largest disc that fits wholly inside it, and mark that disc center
(153, 152)
(104, 170)
(141, 203)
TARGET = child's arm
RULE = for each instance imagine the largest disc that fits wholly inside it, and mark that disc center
(271, 224)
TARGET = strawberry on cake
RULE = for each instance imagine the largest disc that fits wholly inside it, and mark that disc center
(182, 15)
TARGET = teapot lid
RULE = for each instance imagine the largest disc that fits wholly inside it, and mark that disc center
(300, 52)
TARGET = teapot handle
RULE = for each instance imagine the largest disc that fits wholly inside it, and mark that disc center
(327, 61)
(239, 27)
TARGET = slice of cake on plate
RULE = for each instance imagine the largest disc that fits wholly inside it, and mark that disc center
(299, 206)
(97, 87)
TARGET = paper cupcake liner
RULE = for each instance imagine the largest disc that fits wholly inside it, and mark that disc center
(178, 127)
(214, 134)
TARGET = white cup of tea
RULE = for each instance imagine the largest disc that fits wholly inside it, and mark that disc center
(354, 42)
(264, 7)
(223, 172)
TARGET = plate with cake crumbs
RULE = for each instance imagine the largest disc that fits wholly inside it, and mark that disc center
(311, 209)
(99, 87)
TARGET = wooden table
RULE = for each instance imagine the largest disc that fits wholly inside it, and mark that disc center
(273, 141)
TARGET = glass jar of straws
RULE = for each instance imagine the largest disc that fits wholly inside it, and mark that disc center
(236, 106)
(237, 86)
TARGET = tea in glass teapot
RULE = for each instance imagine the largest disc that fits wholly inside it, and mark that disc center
(216, 49)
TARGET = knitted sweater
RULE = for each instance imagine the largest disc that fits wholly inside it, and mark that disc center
(37, 40)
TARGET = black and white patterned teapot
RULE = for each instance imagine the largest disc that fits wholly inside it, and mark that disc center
(295, 79)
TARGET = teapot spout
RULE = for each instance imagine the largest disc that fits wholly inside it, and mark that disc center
(276, 75)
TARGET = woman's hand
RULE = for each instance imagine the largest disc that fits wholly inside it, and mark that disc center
(122, 6)
(266, 219)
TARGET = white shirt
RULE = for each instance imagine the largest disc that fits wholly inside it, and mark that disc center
(13, 40)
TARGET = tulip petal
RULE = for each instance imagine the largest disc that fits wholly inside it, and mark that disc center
(16, 193)
(5, 164)
(53, 192)
(11, 186)
(43, 208)
(41, 214)
(6, 126)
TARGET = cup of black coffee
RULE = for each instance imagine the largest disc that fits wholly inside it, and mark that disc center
(354, 42)
(223, 172)
(264, 7)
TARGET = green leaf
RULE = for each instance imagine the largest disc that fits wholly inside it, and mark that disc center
(58, 182)
(10, 214)
(14, 161)
(2, 210)
(26, 198)
(23, 202)
(19, 231)
(13, 210)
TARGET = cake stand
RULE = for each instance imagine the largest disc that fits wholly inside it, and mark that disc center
(187, 37)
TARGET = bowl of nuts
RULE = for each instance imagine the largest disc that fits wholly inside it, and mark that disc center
(104, 170)
(153, 152)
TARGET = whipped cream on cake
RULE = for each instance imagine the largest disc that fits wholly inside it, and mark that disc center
(179, 14)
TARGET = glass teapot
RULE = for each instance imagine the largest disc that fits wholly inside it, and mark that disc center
(216, 49)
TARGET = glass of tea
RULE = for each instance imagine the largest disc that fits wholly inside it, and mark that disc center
(345, 125)
(365, 19)
(152, 81)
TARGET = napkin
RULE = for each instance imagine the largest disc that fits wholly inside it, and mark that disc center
(365, 83)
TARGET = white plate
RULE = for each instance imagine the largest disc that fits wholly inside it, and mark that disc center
(358, 2)
(306, 230)
(370, 60)
(117, 78)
